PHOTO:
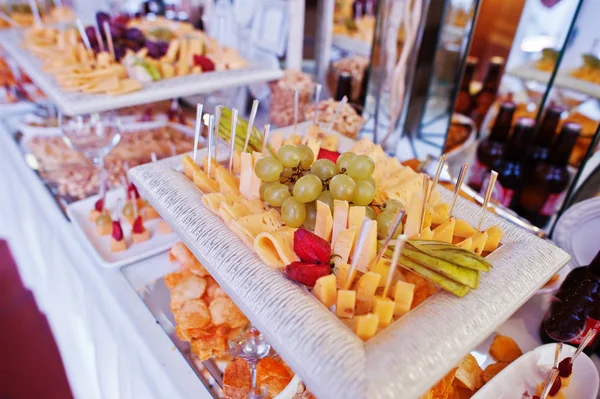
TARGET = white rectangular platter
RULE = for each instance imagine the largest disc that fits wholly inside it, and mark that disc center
(403, 360)
(99, 245)
(81, 103)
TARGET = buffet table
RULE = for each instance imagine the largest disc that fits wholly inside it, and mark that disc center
(111, 345)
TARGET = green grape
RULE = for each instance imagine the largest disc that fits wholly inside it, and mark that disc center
(326, 198)
(394, 206)
(370, 213)
(344, 159)
(268, 169)
(293, 212)
(324, 169)
(385, 222)
(307, 188)
(276, 194)
(369, 180)
(263, 187)
(289, 156)
(361, 167)
(311, 216)
(342, 187)
(365, 193)
(307, 156)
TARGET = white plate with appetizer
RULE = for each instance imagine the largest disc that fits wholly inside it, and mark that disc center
(529, 371)
(94, 222)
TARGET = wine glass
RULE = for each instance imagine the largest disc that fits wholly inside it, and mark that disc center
(251, 346)
(92, 135)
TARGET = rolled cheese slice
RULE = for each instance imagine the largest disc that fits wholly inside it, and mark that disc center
(213, 201)
(276, 248)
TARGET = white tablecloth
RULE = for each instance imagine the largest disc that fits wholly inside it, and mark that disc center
(110, 343)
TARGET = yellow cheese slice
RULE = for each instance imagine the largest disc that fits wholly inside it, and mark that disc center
(341, 276)
(330, 143)
(467, 243)
(495, 234)
(369, 252)
(343, 246)
(293, 139)
(323, 221)
(246, 175)
(276, 141)
(463, 229)
(412, 227)
(213, 201)
(276, 248)
(203, 183)
(445, 231)
(441, 212)
(248, 227)
(356, 215)
(340, 218)
(189, 166)
(226, 181)
(315, 146)
(479, 240)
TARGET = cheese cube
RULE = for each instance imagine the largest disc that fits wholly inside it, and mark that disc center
(382, 268)
(366, 326)
(340, 219)
(495, 234)
(441, 212)
(367, 285)
(330, 143)
(479, 240)
(346, 301)
(324, 221)
(445, 231)
(403, 297)
(342, 246)
(342, 276)
(384, 308)
(463, 229)
(467, 243)
(426, 234)
(325, 290)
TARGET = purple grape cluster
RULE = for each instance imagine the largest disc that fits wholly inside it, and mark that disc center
(124, 38)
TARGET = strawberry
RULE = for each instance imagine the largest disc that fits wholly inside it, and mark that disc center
(204, 62)
(99, 205)
(132, 189)
(565, 367)
(326, 154)
(307, 273)
(138, 225)
(311, 248)
(117, 231)
(555, 387)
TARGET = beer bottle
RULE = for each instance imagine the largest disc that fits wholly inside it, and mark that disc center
(576, 309)
(510, 166)
(544, 136)
(486, 96)
(491, 148)
(546, 184)
(344, 87)
(464, 100)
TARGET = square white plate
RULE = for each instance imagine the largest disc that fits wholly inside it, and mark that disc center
(99, 245)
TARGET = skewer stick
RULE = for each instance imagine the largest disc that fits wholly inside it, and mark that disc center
(318, 88)
(251, 123)
(109, 40)
(234, 120)
(198, 127)
(553, 373)
(211, 136)
(218, 110)
(103, 187)
(173, 149)
(296, 105)
(126, 178)
(266, 134)
(397, 250)
(119, 209)
(36, 12)
(135, 207)
(488, 194)
(436, 177)
(153, 156)
(424, 207)
(84, 36)
(586, 340)
(390, 234)
(337, 113)
(360, 245)
(9, 20)
(459, 182)
(99, 38)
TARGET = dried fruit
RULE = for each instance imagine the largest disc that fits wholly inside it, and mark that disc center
(311, 248)
(565, 367)
(138, 225)
(204, 62)
(326, 154)
(99, 205)
(306, 273)
(117, 231)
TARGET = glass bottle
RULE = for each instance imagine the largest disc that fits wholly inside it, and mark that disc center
(464, 100)
(486, 96)
(544, 136)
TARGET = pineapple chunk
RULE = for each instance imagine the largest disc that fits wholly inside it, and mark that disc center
(440, 213)
(467, 243)
(324, 221)
(382, 268)
(495, 234)
(340, 219)
(342, 276)
(366, 326)
(189, 166)
(343, 246)
(403, 297)
(346, 301)
(463, 229)
(384, 308)
(479, 240)
(365, 291)
(413, 216)
(204, 183)
(325, 290)
(445, 231)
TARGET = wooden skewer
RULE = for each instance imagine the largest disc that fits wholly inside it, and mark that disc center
(337, 113)
(266, 134)
(103, 187)
(218, 110)
(135, 207)
(390, 234)
(36, 12)
(198, 127)
(397, 250)
(436, 177)
(84, 36)
(119, 208)
(318, 88)
(553, 373)
(424, 207)
(153, 156)
(211, 133)
(99, 38)
(488, 194)
(296, 105)
(234, 120)
(8, 19)
(251, 123)
(459, 182)
(586, 340)
(360, 245)
(109, 40)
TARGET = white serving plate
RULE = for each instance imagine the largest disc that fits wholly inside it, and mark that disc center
(78, 213)
(532, 368)
(80, 103)
(405, 359)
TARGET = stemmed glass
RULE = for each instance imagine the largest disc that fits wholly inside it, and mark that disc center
(92, 135)
(251, 346)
